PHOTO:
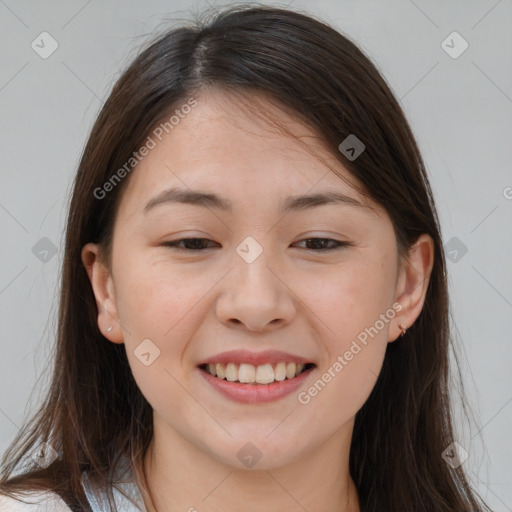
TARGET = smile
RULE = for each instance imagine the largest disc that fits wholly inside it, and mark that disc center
(249, 384)
(246, 373)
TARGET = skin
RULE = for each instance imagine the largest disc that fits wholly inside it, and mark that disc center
(293, 298)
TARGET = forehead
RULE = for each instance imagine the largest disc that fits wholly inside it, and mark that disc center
(242, 148)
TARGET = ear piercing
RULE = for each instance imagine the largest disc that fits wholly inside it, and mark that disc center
(403, 329)
(109, 329)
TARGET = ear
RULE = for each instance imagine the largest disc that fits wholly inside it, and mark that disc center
(412, 284)
(104, 290)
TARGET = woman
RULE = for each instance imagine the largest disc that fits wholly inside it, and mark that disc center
(254, 306)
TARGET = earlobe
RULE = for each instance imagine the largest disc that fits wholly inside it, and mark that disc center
(413, 284)
(104, 291)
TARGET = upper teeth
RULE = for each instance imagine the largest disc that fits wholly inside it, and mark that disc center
(248, 373)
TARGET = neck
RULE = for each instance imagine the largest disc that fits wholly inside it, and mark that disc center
(182, 477)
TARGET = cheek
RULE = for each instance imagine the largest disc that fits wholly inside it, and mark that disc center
(340, 390)
(155, 300)
(157, 312)
(351, 299)
(355, 309)
(354, 343)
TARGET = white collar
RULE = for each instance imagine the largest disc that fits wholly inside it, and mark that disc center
(125, 491)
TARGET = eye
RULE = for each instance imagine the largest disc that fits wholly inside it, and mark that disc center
(322, 244)
(194, 244)
(198, 244)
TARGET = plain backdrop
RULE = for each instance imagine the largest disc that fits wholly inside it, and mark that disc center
(459, 107)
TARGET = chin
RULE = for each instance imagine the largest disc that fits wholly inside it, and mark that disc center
(258, 452)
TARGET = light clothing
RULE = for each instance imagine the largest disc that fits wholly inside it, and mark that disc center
(41, 503)
(126, 494)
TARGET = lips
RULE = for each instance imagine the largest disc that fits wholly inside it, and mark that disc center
(255, 358)
(253, 377)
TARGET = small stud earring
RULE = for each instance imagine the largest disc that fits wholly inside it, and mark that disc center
(403, 329)
(109, 329)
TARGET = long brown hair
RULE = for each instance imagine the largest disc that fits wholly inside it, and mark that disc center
(94, 412)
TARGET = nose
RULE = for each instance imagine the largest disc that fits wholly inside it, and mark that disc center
(256, 296)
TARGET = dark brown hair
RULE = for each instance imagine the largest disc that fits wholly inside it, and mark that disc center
(94, 412)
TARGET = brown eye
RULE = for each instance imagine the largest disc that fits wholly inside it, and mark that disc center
(191, 244)
(324, 244)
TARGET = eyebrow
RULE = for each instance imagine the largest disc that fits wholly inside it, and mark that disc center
(213, 201)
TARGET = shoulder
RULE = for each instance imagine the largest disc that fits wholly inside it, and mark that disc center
(35, 502)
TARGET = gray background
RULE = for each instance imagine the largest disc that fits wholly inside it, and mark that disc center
(459, 108)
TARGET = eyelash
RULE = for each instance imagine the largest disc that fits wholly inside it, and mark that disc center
(174, 244)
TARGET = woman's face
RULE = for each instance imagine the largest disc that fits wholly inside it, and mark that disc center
(259, 284)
